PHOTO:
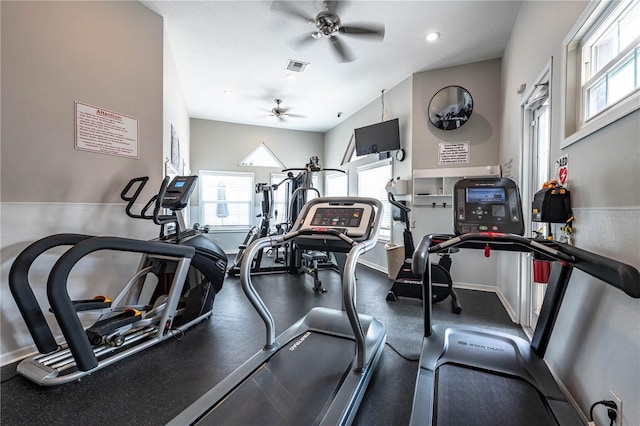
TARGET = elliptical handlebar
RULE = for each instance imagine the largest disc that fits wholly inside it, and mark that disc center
(141, 181)
(155, 201)
(393, 201)
(159, 219)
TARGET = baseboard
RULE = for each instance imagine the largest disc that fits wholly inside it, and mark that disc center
(567, 394)
(492, 289)
(477, 287)
(507, 307)
(17, 355)
(372, 265)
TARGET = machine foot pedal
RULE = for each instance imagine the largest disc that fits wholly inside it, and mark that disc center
(106, 327)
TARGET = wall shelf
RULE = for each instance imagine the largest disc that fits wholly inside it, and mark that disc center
(436, 185)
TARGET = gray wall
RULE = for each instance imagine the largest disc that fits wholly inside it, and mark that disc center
(106, 54)
(397, 101)
(174, 111)
(595, 347)
(222, 146)
(482, 80)
(409, 101)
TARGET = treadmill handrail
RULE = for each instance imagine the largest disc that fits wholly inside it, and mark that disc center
(348, 276)
(61, 302)
(612, 272)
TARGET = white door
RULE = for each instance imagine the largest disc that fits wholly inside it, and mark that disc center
(535, 172)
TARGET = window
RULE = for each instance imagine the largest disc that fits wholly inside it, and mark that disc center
(602, 63)
(226, 199)
(610, 56)
(372, 180)
(282, 196)
(336, 185)
(351, 154)
(262, 156)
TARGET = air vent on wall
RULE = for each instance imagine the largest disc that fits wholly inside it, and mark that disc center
(297, 66)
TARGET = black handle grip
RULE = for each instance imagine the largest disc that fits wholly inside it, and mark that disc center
(141, 181)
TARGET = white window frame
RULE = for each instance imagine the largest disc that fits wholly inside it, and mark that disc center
(204, 200)
(386, 225)
(332, 177)
(573, 125)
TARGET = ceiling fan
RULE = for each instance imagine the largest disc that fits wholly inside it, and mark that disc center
(280, 112)
(328, 25)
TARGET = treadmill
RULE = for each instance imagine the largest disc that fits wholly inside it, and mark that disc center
(315, 372)
(472, 376)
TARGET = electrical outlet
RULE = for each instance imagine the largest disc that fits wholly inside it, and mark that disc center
(618, 400)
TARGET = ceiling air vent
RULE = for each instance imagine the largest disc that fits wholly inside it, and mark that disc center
(297, 66)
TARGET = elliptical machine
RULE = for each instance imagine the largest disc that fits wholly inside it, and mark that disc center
(173, 289)
(406, 283)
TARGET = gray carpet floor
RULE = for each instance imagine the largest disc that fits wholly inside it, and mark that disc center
(153, 386)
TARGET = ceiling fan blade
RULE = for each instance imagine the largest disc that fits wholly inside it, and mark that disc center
(286, 8)
(371, 30)
(296, 116)
(303, 41)
(282, 117)
(342, 51)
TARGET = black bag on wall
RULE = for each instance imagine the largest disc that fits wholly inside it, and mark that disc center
(552, 204)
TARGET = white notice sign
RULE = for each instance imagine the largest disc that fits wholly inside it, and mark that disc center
(453, 153)
(106, 132)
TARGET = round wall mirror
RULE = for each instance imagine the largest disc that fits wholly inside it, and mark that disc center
(450, 108)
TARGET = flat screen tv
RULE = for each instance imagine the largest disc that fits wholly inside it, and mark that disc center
(379, 137)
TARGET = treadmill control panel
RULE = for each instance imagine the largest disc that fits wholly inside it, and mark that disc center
(487, 205)
(352, 219)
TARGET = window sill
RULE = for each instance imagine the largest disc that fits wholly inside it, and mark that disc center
(229, 229)
(615, 113)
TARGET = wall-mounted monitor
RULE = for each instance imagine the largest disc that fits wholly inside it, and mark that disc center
(379, 137)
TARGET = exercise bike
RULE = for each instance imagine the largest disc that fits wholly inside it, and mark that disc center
(406, 283)
(173, 289)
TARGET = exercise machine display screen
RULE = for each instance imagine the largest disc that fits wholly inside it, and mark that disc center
(487, 205)
(485, 195)
(337, 217)
(353, 218)
(178, 192)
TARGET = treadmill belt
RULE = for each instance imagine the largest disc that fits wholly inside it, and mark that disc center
(295, 387)
(467, 396)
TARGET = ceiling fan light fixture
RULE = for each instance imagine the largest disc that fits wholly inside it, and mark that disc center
(317, 35)
(432, 36)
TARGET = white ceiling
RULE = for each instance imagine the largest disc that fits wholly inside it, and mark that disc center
(244, 46)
